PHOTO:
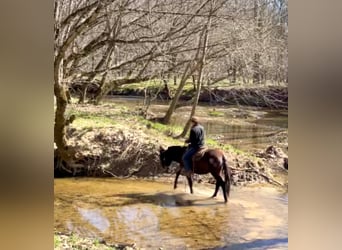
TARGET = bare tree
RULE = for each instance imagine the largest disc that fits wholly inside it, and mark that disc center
(201, 64)
(115, 42)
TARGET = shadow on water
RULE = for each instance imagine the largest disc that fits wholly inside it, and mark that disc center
(255, 244)
(161, 199)
(168, 200)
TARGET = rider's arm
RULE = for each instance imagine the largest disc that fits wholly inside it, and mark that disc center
(191, 136)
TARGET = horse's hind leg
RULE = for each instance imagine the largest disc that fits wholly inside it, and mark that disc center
(220, 182)
(216, 189)
(223, 185)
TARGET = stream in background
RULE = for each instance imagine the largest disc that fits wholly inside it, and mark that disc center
(246, 128)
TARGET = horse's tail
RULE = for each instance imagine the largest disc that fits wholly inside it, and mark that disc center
(227, 175)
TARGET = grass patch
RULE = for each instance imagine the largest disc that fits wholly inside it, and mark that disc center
(57, 241)
(100, 117)
(152, 84)
(226, 147)
(162, 128)
(96, 242)
(74, 241)
(94, 122)
(215, 113)
(156, 84)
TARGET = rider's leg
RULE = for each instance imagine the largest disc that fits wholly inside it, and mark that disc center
(187, 159)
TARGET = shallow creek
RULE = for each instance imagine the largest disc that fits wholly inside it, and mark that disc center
(153, 215)
(250, 129)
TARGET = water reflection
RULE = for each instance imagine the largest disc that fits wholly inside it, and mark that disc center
(244, 137)
(139, 224)
(95, 218)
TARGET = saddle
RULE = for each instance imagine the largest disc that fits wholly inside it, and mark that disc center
(199, 154)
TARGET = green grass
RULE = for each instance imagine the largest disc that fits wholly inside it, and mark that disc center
(96, 242)
(215, 113)
(157, 84)
(162, 128)
(154, 84)
(88, 119)
(94, 121)
(57, 241)
(226, 147)
(73, 239)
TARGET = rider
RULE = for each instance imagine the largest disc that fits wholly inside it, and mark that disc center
(196, 141)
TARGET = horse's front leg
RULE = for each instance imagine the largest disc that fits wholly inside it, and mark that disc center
(176, 179)
(190, 183)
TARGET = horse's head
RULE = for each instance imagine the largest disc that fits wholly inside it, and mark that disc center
(164, 157)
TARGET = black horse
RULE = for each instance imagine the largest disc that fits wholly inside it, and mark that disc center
(213, 161)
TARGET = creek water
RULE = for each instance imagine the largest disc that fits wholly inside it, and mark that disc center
(154, 216)
(250, 129)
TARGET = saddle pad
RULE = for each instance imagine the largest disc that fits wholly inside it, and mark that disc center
(199, 154)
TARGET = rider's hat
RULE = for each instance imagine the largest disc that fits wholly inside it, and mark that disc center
(195, 119)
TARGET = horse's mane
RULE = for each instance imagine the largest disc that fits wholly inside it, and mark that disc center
(177, 148)
(176, 152)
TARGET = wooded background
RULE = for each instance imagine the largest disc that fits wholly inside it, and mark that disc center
(116, 42)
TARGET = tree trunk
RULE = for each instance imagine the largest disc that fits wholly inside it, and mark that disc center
(61, 122)
(194, 82)
(83, 95)
(199, 79)
(104, 89)
(256, 61)
(188, 71)
(186, 74)
(234, 74)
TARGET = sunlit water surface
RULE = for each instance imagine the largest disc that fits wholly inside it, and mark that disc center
(153, 215)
